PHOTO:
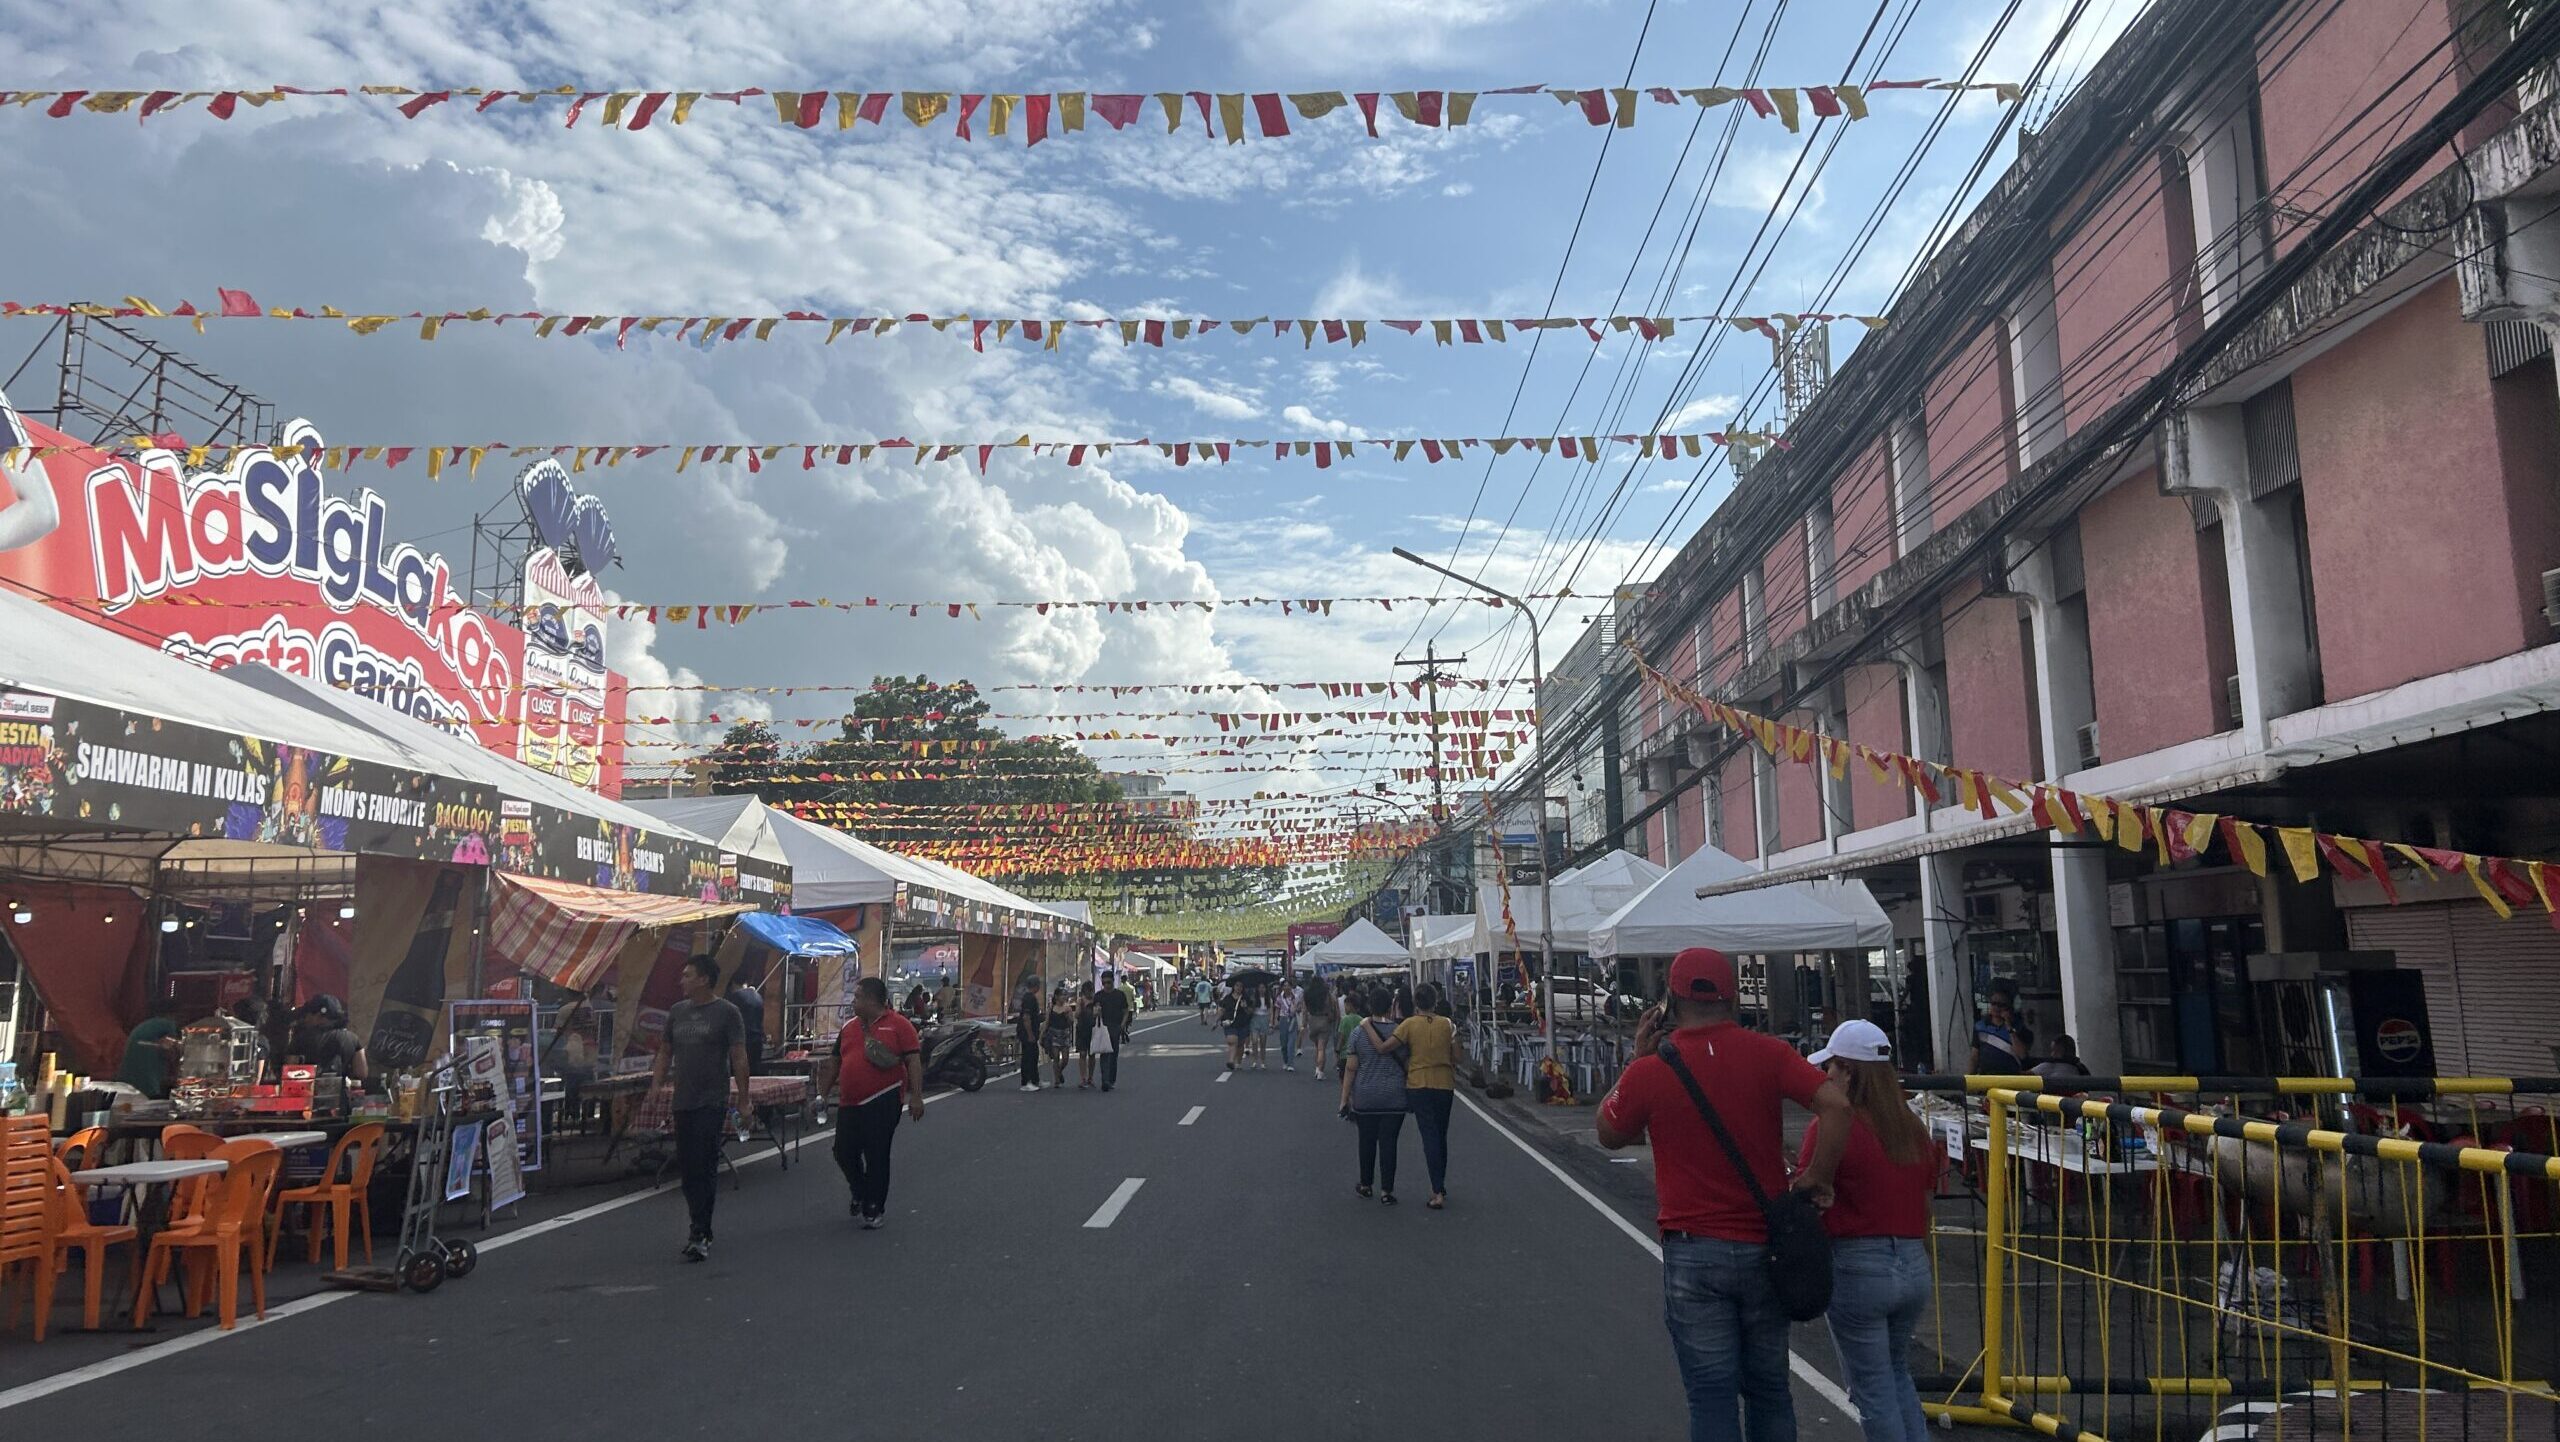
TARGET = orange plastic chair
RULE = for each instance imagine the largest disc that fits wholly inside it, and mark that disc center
(26, 1205)
(342, 1197)
(71, 1231)
(228, 1228)
(86, 1147)
(184, 1143)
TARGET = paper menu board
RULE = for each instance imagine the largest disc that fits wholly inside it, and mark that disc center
(513, 1024)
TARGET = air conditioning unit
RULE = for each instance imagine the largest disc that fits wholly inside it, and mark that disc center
(2551, 597)
(2087, 738)
(2231, 688)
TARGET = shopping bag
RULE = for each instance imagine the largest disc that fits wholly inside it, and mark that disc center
(1101, 1040)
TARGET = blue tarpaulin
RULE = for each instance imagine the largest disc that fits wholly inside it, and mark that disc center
(798, 935)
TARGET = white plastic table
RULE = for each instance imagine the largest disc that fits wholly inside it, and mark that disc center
(147, 1221)
(288, 1141)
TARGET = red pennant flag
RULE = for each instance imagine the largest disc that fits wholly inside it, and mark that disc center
(1826, 101)
(1760, 103)
(414, 107)
(1275, 119)
(237, 302)
(648, 110)
(157, 99)
(225, 105)
(968, 107)
(1154, 332)
(1595, 106)
(1324, 454)
(1366, 99)
(1119, 110)
(61, 106)
(1426, 107)
(875, 104)
(1035, 118)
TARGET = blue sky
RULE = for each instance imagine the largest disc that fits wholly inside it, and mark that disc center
(348, 205)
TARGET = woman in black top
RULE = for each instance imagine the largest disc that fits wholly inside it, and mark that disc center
(1058, 1034)
(1086, 1014)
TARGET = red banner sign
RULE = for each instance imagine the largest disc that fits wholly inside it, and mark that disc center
(91, 532)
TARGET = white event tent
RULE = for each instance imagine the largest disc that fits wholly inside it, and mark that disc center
(1361, 946)
(1793, 917)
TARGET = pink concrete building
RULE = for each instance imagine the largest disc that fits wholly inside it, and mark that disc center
(2181, 477)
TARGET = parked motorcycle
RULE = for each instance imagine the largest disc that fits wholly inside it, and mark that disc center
(956, 1053)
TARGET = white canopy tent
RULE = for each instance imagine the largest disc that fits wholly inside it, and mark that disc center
(1444, 938)
(1790, 917)
(831, 868)
(1585, 897)
(1358, 947)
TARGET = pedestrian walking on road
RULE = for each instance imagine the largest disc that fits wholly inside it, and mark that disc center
(1086, 1014)
(1261, 1027)
(1428, 1045)
(704, 1049)
(1373, 1094)
(1879, 1227)
(1319, 1020)
(1112, 1010)
(1207, 997)
(1058, 1035)
(1028, 1016)
(1285, 1005)
(1346, 1021)
(878, 1059)
(1728, 1331)
(1237, 1012)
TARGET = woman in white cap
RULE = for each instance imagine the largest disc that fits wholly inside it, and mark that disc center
(1879, 1226)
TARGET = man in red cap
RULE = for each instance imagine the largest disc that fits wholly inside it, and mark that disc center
(1727, 1329)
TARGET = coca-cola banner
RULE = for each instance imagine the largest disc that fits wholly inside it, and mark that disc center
(352, 605)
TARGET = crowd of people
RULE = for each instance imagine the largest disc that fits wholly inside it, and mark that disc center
(1706, 1093)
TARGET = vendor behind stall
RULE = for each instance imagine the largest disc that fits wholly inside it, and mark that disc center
(149, 1049)
(321, 1039)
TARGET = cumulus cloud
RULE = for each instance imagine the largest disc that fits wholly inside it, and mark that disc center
(1318, 427)
(1209, 400)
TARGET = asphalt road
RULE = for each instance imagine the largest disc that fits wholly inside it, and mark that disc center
(1239, 1291)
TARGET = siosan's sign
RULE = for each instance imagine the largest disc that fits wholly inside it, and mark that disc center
(348, 603)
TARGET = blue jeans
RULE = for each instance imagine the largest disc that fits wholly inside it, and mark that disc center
(1730, 1338)
(1289, 1042)
(1879, 1288)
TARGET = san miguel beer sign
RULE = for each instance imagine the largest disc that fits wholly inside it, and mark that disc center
(346, 602)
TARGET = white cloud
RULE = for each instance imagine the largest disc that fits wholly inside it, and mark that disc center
(1226, 405)
(1710, 411)
(1378, 34)
(1316, 427)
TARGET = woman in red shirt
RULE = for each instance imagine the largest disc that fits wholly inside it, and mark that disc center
(1879, 1226)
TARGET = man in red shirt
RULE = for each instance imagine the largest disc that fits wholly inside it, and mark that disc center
(878, 1057)
(1727, 1330)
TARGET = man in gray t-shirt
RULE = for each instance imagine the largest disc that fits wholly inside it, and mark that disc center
(705, 1047)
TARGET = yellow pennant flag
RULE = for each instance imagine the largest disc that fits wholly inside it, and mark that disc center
(684, 106)
(2102, 816)
(2302, 851)
(2541, 882)
(2488, 893)
(1231, 116)
(1171, 100)
(1071, 110)
(920, 106)
(1784, 98)
(2251, 844)
(2129, 832)
(2199, 833)
(435, 463)
(2001, 792)
(1000, 113)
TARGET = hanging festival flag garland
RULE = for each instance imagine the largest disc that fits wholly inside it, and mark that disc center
(2505, 883)
(710, 331)
(705, 614)
(809, 455)
(1233, 115)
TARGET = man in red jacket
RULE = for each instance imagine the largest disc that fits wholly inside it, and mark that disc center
(1727, 1329)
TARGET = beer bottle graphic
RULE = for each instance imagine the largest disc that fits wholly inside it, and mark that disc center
(404, 1031)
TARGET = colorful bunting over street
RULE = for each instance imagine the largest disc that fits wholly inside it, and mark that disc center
(809, 455)
(711, 331)
(2173, 835)
(1233, 115)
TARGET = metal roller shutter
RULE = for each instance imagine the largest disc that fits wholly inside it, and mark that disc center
(2493, 987)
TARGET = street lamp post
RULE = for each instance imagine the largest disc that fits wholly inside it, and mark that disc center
(1538, 787)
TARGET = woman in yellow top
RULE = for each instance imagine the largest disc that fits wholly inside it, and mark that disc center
(1430, 1047)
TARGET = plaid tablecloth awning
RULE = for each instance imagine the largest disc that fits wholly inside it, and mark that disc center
(568, 934)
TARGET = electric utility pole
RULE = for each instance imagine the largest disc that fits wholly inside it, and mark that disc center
(1430, 664)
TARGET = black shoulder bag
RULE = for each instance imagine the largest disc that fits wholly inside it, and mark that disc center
(1799, 1253)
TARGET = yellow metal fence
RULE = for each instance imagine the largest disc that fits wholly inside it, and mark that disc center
(2229, 1259)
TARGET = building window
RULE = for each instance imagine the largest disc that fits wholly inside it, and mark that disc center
(2226, 220)
(1755, 617)
(1820, 561)
(1907, 454)
(2035, 371)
